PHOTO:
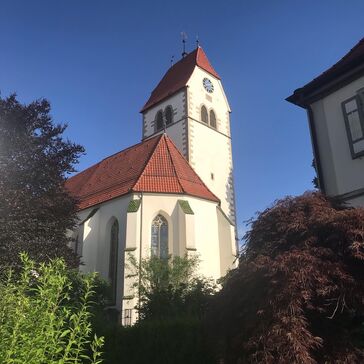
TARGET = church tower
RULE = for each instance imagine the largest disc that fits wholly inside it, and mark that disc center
(190, 105)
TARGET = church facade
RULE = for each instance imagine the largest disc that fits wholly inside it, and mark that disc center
(170, 194)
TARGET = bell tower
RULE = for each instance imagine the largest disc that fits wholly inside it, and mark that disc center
(190, 105)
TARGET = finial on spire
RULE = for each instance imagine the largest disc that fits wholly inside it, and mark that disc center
(184, 38)
(197, 41)
(172, 60)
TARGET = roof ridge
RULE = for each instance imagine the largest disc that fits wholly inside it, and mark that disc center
(126, 149)
(112, 155)
(174, 167)
(203, 183)
(147, 162)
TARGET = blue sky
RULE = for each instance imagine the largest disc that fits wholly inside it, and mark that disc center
(98, 61)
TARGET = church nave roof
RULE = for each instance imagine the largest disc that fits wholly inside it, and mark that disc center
(154, 165)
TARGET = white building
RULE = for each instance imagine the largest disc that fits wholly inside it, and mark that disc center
(172, 193)
(335, 105)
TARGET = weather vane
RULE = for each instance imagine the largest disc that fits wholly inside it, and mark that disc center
(197, 41)
(184, 38)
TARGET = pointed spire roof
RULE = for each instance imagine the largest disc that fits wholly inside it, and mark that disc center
(154, 165)
(178, 75)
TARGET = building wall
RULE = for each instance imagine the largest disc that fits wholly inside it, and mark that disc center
(206, 233)
(96, 239)
(342, 174)
(177, 131)
(210, 151)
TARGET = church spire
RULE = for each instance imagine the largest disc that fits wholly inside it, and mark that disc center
(184, 38)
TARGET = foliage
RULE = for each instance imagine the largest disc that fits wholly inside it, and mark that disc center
(177, 341)
(39, 323)
(315, 179)
(298, 293)
(170, 288)
(35, 209)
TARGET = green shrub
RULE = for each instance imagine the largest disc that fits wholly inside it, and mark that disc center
(41, 321)
(172, 341)
(170, 288)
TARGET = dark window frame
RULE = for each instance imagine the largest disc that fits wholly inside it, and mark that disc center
(159, 242)
(360, 110)
(214, 118)
(202, 109)
(113, 260)
(156, 120)
(168, 122)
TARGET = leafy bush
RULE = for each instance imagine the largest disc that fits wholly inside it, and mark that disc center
(174, 300)
(174, 341)
(298, 293)
(40, 323)
(171, 288)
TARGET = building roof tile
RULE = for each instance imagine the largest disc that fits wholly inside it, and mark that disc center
(352, 59)
(178, 75)
(154, 165)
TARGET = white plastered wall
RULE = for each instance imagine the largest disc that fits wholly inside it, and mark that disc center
(96, 240)
(206, 240)
(341, 173)
(210, 151)
(206, 233)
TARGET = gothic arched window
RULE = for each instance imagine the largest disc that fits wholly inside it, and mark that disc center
(212, 119)
(204, 114)
(159, 241)
(168, 112)
(159, 120)
(113, 259)
(78, 245)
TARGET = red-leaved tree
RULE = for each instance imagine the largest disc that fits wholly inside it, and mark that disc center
(298, 293)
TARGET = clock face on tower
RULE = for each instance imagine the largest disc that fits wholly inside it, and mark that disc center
(209, 87)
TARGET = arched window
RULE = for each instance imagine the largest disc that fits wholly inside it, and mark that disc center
(204, 115)
(212, 119)
(160, 237)
(168, 112)
(113, 260)
(159, 120)
(78, 244)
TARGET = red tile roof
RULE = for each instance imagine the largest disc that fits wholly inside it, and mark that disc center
(178, 75)
(352, 59)
(154, 165)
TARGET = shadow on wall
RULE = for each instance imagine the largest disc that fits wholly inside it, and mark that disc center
(230, 198)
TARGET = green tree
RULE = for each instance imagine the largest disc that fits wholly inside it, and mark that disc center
(39, 321)
(35, 209)
(298, 293)
(170, 288)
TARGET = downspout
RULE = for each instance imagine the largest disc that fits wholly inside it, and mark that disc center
(315, 148)
(140, 247)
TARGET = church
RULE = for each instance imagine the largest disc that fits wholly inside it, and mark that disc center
(170, 194)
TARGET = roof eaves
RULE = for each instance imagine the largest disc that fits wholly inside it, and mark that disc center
(327, 80)
(148, 106)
